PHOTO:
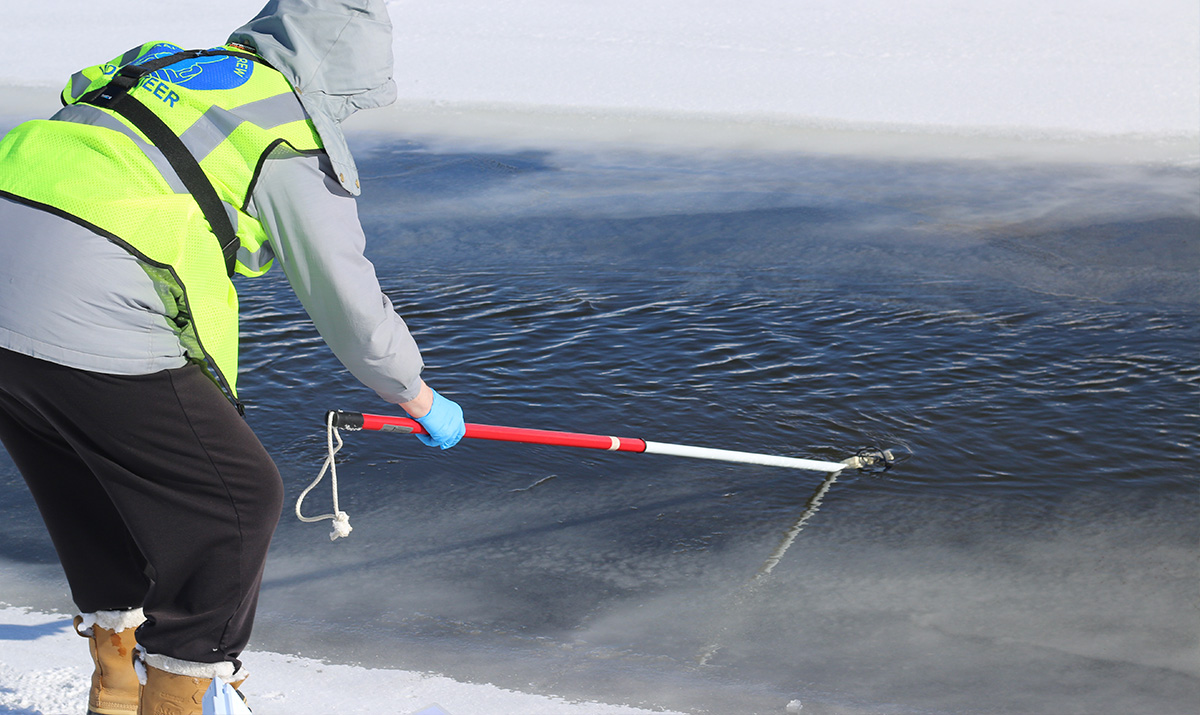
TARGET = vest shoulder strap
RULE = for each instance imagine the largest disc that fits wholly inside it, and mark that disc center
(115, 96)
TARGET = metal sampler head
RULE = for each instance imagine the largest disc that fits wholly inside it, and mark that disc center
(873, 460)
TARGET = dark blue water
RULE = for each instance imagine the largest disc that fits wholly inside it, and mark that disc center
(1028, 332)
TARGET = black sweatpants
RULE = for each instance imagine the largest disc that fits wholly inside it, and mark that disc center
(156, 494)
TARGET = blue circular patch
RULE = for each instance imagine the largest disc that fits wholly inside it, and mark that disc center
(217, 72)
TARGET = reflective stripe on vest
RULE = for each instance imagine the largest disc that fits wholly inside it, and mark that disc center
(91, 165)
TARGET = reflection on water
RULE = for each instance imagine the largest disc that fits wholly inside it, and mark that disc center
(749, 589)
(1027, 332)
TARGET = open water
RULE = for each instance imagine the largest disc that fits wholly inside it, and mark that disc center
(1026, 331)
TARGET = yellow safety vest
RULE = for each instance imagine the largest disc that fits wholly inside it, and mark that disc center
(92, 164)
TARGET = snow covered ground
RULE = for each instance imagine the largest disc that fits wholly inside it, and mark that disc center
(1023, 70)
(1062, 70)
(45, 670)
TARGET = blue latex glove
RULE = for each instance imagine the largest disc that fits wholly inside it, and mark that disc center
(443, 422)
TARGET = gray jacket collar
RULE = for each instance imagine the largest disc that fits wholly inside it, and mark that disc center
(338, 56)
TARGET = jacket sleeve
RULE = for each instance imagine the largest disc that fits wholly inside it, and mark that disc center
(314, 231)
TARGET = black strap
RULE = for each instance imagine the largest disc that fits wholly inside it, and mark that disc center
(115, 96)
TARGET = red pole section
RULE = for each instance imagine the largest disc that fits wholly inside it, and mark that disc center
(558, 439)
(406, 425)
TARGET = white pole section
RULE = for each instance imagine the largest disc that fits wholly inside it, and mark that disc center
(728, 455)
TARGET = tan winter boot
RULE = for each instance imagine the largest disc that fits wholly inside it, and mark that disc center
(167, 693)
(115, 685)
(170, 694)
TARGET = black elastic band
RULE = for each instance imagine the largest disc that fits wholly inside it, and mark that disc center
(127, 77)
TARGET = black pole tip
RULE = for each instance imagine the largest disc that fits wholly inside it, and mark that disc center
(345, 420)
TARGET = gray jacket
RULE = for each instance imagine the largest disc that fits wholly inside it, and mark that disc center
(103, 313)
(338, 56)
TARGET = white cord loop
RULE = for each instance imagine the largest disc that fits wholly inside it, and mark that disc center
(341, 520)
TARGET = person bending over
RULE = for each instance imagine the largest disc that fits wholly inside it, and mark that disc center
(122, 220)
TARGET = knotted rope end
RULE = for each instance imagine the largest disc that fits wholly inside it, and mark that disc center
(341, 526)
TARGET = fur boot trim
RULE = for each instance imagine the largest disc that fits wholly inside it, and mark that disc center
(191, 669)
(112, 620)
